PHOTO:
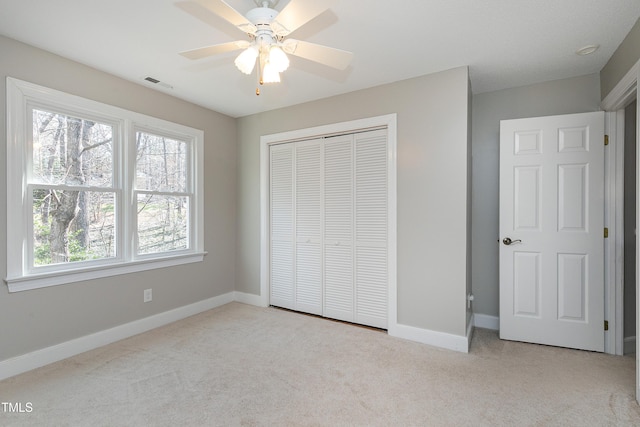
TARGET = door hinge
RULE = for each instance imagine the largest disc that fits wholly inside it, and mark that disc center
(606, 232)
(606, 325)
(606, 140)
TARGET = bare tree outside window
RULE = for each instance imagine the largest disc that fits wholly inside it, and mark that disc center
(72, 189)
(161, 184)
(94, 190)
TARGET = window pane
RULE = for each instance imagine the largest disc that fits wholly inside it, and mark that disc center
(162, 223)
(71, 150)
(71, 226)
(161, 163)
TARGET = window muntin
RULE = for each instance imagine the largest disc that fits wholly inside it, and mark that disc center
(75, 160)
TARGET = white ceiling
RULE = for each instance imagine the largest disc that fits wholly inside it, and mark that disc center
(506, 43)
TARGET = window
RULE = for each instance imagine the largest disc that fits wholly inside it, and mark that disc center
(94, 190)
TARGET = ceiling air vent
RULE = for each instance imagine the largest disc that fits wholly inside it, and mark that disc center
(158, 82)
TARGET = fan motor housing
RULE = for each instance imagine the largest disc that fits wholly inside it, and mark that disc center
(261, 15)
(266, 3)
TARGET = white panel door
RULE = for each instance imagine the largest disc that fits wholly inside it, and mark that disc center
(282, 226)
(371, 234)
(551, 230)
(338, 228)
(308, 214)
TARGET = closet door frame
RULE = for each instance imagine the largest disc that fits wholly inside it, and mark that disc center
(379, 122)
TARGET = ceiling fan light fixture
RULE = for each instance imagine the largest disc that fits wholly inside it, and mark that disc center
(278, 59)
(270, 74)
(267, 30)
(247, 60)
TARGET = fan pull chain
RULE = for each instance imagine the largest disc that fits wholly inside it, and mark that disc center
(259, 82)
(259, 76)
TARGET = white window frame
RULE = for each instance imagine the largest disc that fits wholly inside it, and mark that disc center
(21, 97)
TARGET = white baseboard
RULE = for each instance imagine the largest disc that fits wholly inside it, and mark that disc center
(629, 345)
(434, 338)
(55, 353)
(45, 356)
(250, 299)
(470, 329)
(486, 322)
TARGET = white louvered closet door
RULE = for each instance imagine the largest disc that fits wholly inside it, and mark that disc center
(371, 234)
(338, 228)
(281, 226)
(329, 214)
(308, 263)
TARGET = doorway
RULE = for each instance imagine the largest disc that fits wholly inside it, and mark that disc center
(623, 94)
(629, 195)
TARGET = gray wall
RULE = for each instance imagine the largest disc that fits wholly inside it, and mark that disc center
(574, 95)
(40, 318)
(625, 57)
(432, 189)
(629, 298)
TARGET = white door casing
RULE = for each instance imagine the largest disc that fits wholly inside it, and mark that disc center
(551, 207)
(625, 91)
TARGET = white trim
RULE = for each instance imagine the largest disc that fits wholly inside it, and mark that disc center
(250, 299)
(26, 283)
(614, 220)
(392, 212)
(469, 333)
(390, 122)
(486, 322)
(624, 92)
(434, 338)
(21, 274)
(264, 223)
(637, 76)
(618, 221)
(55, 353)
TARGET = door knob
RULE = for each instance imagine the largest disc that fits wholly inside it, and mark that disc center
(507, 241)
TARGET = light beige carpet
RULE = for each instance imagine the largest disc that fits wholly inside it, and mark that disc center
(243, 365)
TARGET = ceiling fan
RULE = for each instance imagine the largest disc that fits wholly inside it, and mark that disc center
(268, 45)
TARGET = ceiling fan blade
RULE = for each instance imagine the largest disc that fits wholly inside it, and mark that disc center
(297, 13)
(335, 58)
(222, 9)
(215, 49)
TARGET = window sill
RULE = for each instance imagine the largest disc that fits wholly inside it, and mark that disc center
(35, 281)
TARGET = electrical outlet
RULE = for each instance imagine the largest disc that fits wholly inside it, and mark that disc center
(148, 296)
